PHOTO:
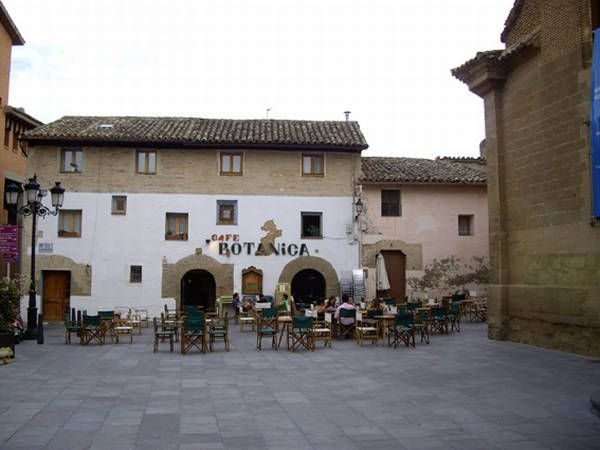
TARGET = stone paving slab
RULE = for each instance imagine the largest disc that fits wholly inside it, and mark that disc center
(462, 391)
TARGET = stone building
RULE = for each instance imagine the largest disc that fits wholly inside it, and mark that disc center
(544, 242)
(419, 211)
(184, 210)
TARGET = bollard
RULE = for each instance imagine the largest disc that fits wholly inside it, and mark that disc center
(40, 330)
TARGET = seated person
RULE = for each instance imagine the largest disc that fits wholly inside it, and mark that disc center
(247, 304)
(320, 308)
(375, 305)
(330, 306)
(235, 302)
(346, 304)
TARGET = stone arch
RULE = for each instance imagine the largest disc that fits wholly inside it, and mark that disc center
(81, 274)
(413, 252)
(173, 273)
(332, 283)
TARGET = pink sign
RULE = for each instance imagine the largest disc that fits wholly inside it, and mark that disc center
(9, 245)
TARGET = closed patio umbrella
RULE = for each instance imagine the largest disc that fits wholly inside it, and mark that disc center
(383, 283)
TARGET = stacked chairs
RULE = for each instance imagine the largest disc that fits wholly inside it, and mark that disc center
(266, 325)
(92, 330)
(402, 331)
(71, 326)
(218, 330)
(193, 332)
(366, 329)
(161, 335)
(323, 330)
(300, 335)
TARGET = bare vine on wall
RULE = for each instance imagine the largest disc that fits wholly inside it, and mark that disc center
(448, 274)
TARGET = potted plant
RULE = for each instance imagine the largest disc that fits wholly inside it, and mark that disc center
(10, 301)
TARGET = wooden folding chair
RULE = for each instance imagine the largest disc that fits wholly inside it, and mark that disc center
(91, 330)
(218, 330)
(300, 336)
(365, 329)
(266, 325)
(323, 330)
(401, 331)
(122, 327)
(346, 330)
(193, 333)
(161, 335)
(246, 320)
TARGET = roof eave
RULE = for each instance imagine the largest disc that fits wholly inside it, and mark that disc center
(35, 140)
(10, 27)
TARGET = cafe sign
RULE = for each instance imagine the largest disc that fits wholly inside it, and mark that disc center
(230, 244)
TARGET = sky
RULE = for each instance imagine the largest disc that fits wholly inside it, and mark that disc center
(386, 61)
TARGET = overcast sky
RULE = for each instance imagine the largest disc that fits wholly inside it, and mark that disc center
(387, 61)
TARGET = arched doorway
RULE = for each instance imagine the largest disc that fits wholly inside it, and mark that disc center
(308, 285)
(198, 289)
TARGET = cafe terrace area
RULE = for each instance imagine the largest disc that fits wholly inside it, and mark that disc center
(461, 391)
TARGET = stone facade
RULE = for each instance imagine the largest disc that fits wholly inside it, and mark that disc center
(544, 245)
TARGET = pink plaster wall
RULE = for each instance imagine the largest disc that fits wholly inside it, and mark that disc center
(429, 217)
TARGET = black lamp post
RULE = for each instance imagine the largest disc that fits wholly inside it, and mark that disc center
(32, 206)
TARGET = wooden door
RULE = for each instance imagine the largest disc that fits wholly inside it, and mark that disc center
(55, 294)
(395, 266)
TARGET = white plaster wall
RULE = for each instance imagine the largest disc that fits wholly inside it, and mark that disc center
(110, 244)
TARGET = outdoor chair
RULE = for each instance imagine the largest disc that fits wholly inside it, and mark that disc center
(366, 330)
(323, 330)
(454, 316)
(122, 327)
(107, 319)
(439, 320)
(420, 324)
(346, 331)
(300, 335)
(170, 326)
(161, 335)
(143, 316)
(218, 330)
(479, 310)
(193, 333)
(266, 325)
(92, 330)
(71, 326)
(402, 331)
(246, 320)
(134, 320)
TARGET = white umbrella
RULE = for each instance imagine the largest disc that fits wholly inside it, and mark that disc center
(383, 283)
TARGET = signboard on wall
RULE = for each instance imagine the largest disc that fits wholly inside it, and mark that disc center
(595, 126)
(9, 246)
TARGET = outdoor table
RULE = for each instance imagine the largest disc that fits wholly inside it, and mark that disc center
(384, 322)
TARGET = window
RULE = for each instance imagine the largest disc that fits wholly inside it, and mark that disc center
(176, 228)
(231, 164)
(7, 133)
(119, 204)
(71, 160)
(146, 161)
(312, 165)
(135, 274)
(311, 225)
(69, 223)
(465, 225)
(390, 203)
(226, 212)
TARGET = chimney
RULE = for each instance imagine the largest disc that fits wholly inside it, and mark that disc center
(347, 114)
(483, 149)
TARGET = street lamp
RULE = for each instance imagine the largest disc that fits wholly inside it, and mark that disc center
(32, 206)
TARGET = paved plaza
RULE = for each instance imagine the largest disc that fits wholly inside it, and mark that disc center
(462, 391)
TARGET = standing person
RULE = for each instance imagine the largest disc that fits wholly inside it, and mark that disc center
(235, 303)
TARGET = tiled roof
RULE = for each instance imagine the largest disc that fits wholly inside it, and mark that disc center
(418, 170)
(20, 114)
(197, 132)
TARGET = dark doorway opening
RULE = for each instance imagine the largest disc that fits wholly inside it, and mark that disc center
(308, 286)
(198, 289)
